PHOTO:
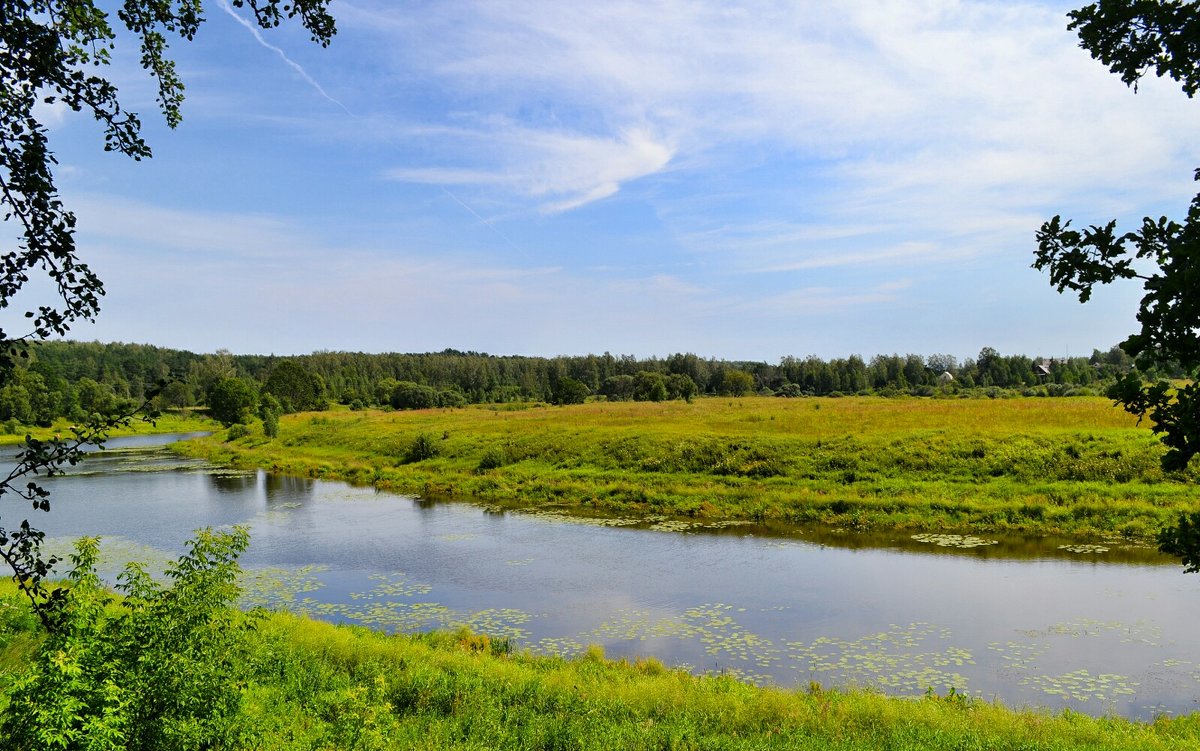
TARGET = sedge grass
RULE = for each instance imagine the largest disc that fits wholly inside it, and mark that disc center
(1078, 467)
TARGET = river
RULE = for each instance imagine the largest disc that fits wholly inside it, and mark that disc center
(1105, 629)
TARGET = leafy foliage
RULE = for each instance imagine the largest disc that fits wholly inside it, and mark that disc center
(156, 670)
(296, 389)
(232, 401)
(1133, 38)
(51, 52)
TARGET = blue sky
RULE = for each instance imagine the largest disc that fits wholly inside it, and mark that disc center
(741, 180)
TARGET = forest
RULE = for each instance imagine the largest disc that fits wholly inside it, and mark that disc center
(75, 379)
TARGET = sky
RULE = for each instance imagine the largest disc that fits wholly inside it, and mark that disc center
(741, 180)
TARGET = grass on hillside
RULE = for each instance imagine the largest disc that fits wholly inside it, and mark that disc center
(1065, 466)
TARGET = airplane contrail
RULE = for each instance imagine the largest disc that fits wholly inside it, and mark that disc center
(486, 222)
(283, 55)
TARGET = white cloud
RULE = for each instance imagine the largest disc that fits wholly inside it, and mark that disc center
(562, 171)
(926, 115)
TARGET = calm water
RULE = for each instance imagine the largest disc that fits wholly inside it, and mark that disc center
(1101, 631)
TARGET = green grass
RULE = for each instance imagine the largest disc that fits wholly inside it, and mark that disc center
(169, 422)
(1046, 466)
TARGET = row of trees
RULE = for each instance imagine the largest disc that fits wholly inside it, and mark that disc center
(75, 379)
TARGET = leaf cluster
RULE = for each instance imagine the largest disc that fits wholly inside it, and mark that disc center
(1133, 38)
(156, 670)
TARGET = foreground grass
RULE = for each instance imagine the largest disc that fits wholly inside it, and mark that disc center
(313, 685)
(1046, 466)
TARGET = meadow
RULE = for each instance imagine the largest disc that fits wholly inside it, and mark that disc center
(1069, 466)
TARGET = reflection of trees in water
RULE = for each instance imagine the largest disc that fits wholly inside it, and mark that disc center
(288, 488)
(231, 483)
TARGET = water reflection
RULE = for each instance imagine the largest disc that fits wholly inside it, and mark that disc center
(232, 483)
(285, 488)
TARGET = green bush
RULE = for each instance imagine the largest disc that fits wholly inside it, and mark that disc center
(157, 670)
(239, 431)
(493, 458)
(423, 447)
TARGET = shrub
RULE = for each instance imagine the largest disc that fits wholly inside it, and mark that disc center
(159, 670)
(493, 458)
(409, 395)
(240, 431)
(423, 447)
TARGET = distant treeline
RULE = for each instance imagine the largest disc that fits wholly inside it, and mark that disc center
(74, 379)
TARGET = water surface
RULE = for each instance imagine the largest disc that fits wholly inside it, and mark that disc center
(1103, 630)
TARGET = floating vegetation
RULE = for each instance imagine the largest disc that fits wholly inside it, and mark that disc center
(1084, 548)
(890, 660)
(953, 541)
(115, 553)
(392, 585)
(1017, 656)
(277, 587)
(1138, 632)
(519, 562)
(1081, 685)
(597, 521)
(458, 537)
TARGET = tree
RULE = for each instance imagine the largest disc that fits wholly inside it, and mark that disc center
(409, 395)
(649, 387)
(232, 401)
(296, 389)
(1132, 39)
(736, 383)
(567, 390)
(52, 51)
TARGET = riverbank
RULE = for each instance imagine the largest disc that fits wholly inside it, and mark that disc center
(313, 685)
(1076, 467)
(169, 422)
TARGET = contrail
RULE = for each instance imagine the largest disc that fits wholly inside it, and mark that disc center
(486, 223)
(295, 65)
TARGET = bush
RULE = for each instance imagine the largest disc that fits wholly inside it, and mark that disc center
(423, 447)
(493, 458)
(241, 431)
(409, 395)
(159, 670)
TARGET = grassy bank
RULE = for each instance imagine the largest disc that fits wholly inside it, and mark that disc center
(170, 422)
(313, 685)
(1064, 466)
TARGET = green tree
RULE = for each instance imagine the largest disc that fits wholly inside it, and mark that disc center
(232, 401)
(409, 395)
(736, 383)
(52, 52)
(296, 389)
(567, 390)
(1133, 39)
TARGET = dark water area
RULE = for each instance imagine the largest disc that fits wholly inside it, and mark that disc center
(1104, 628)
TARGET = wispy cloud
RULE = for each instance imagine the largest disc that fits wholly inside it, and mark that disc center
(561, 170)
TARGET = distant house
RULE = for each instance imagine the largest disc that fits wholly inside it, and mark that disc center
(945, 378)
(1042, 370)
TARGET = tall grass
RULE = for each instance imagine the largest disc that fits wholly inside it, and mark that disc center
(1066, 466)
(321, 686)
